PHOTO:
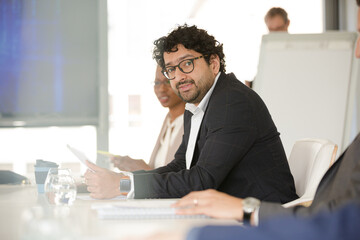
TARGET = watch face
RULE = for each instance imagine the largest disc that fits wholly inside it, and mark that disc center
(250, 203)
(125, 185)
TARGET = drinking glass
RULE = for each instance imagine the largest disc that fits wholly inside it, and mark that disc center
(60, 187)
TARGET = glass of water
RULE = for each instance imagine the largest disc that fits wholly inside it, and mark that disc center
(60, 187)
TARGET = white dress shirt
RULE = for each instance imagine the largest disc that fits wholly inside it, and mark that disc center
(196, 119)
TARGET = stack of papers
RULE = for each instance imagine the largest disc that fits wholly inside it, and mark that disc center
(114, 211)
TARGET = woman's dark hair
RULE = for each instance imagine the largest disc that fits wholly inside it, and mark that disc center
(191, 38)
(358, 2)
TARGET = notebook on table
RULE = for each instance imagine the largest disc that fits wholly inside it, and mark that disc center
(121, 211)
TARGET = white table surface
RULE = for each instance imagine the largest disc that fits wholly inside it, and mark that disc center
(25, 214)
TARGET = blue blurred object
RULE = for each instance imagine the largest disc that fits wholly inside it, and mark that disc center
(41, 170)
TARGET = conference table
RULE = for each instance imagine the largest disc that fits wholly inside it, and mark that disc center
(25, 214)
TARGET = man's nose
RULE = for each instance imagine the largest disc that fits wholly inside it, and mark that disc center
(179, 75)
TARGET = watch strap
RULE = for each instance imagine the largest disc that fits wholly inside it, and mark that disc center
(247, 218)
(250, 205)
(125, 185)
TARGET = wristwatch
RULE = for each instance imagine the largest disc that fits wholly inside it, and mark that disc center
(250, 204)
(125, 185)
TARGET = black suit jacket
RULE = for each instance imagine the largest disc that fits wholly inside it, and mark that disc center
(340, 184)
(238, 151)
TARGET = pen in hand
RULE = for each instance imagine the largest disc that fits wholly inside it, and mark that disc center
(105, 153)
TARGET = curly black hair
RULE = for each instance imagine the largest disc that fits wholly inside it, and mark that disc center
(191, 38)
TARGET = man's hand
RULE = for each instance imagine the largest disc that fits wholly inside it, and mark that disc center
(121, 162)
(126, 163)
(101, 182)
(211, 203)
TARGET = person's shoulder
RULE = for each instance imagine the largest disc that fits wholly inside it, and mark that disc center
(232, 89)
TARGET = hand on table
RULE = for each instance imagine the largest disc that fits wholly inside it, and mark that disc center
(161, 236)
(211, 203)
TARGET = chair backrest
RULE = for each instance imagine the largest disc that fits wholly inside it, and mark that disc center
(309, 160)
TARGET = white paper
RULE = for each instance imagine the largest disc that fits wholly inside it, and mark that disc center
(130, 212)
(139, 210)
(80, 155)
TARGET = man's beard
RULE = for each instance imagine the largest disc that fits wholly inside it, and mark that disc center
(193, 96)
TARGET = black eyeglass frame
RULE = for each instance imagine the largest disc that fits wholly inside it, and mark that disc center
(178, 66)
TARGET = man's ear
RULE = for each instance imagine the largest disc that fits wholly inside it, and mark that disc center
(214, 62)
(287, 24)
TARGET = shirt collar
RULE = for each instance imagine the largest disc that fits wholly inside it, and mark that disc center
(204, 102)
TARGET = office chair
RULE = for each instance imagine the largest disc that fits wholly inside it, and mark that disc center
(309, 160)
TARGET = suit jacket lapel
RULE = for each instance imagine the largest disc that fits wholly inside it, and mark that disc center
(201, 137)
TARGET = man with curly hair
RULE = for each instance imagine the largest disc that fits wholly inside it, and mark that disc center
(230, 142)
(334, 213)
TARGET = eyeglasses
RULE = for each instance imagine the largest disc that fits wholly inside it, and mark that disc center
(157, 84)
(185, 66)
